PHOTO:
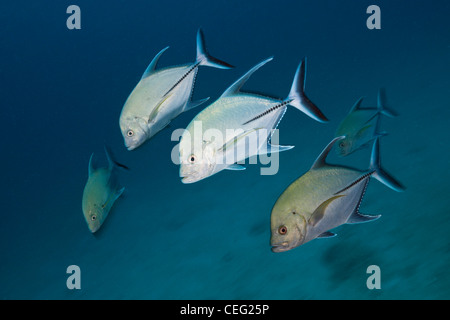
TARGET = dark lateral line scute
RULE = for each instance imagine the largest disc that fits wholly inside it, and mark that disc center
(356, 181)
(268, 111)
(183, 77)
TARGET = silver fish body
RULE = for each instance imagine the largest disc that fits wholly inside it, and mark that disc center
(161, 95)
(236, 117)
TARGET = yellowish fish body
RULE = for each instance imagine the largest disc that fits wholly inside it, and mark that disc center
(324, 198)
(100, 193)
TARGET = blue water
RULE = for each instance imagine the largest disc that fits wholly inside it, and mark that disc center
(62, 93)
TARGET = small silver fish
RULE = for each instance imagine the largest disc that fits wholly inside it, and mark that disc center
(361, 126)
(324, 198)
(236, 115)
(100, 193)
(161, 95)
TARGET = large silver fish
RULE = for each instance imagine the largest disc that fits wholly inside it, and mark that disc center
(100, 193)
(361, 125)
(219, 132)
(324, 198)
(161, 95)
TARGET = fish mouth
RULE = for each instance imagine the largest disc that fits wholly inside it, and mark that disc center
(284, 246)
(188, 179)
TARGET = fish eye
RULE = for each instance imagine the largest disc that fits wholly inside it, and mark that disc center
(94, 217)
(282, 230)
(192, 158)
(342, 144)
(130, 133)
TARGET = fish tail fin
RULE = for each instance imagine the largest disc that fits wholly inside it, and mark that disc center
(298, 98)
(111, 162)
(382, 105)
(379, 173)
(203, 57)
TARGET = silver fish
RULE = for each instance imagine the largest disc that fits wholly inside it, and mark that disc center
(161, 95)
(100, 193)
(324, 198)
(235, 116)
(361, 126)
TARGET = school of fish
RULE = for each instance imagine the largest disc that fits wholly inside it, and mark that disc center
(237, 126)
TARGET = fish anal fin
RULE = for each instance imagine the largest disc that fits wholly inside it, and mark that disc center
(235, 167)
(320, 211)
(270, 148)
(327, 234)
(357, 217)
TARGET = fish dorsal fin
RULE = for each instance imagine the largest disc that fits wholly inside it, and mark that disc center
(357, 105)
(152, 66)
(235, 87)
(321, 159)
(91, 165)
(319, 213)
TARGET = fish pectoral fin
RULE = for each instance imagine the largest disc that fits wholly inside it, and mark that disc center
(113, 197)
(319, 213)
(233, 141)
(236, 167)
(156, 110)
(357, 217)
(327, 234)
(361, 132)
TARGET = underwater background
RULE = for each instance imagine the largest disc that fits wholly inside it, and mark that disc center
(62, 93)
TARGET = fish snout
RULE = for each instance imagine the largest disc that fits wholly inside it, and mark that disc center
(284, 246)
